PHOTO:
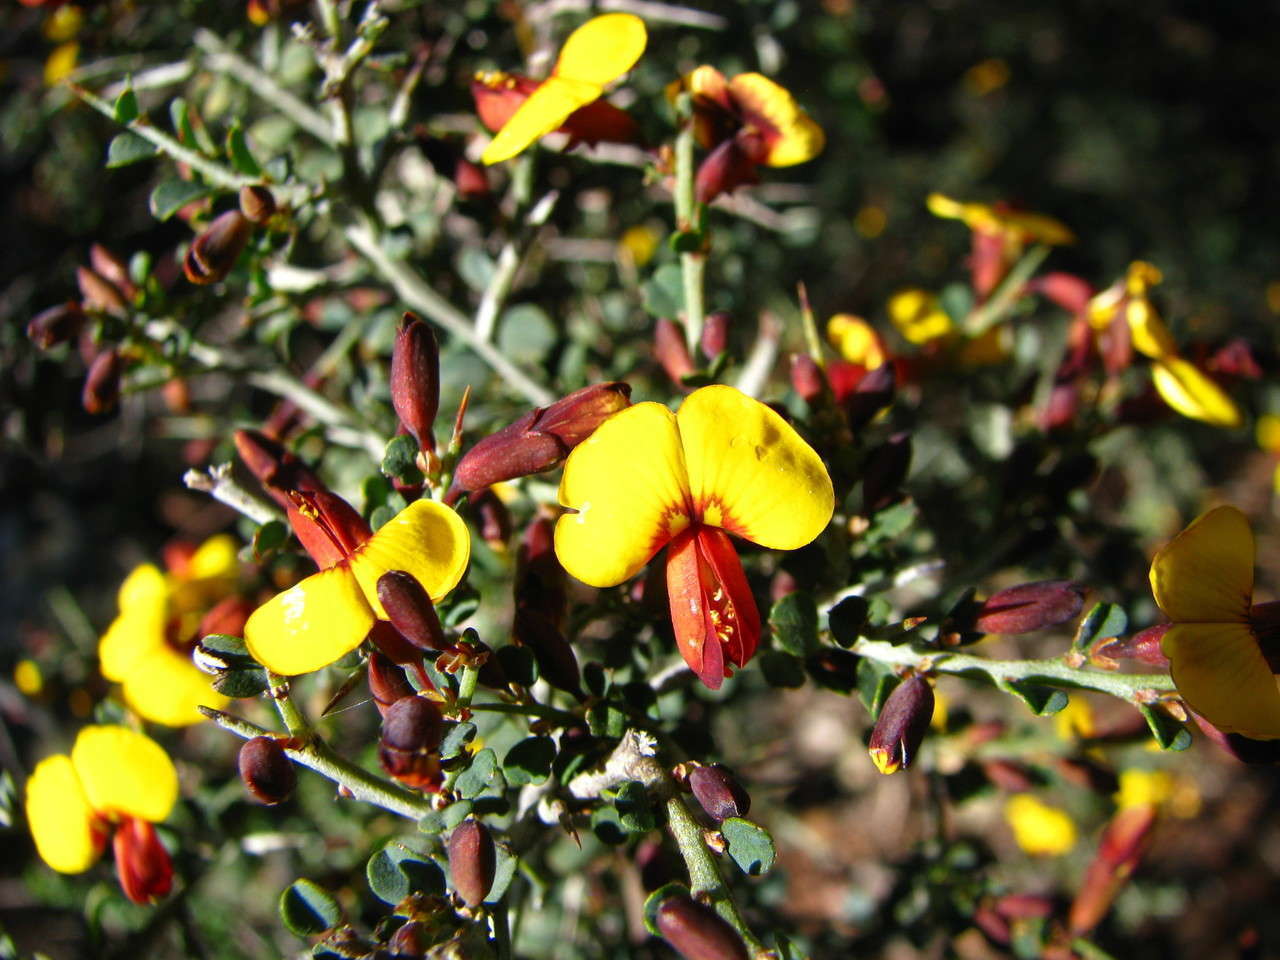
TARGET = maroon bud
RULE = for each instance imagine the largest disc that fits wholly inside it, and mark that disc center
(1030, 606)
(541, 438)
(726, 168)
(1115, 343)
(410, 609)
(1143, 646)
(112, 269)
(697, 932)
(473, 860)
(1008, 775)
(885, 471)
(59, 324)
(540, 578)
(1061, 408)
(387, 682)
(996, 927)
(411, 939)
(715, 334)
(807, 378)
(99, 294)
(102, 382)
(142, 862)
(276, 468)
(415, 379)
(1066, 290)
(267, 771)
(556, 661)
(493, 519)
(257, 204)
(988, 262)
(873, 393)
(214, 252)
(719, 792)
(411, 731)
(1123, 843)
(901, 726)
(669, 349)
(1235, 358)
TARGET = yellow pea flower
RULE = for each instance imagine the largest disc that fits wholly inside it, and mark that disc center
(1039, 829)
(1217, 645)
(1193, 394)
(328, 614)
(648, 478)
(1023, 225)
(856, 341)
(919, 316)
(114, 778)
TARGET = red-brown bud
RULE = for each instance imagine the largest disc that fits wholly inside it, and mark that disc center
(1143, 646)
(541, 580)
(473, 860)
(541, 438)
(902, 724)
(1030, 606)
(697, 932)
(1123, 843)
(257, 204)
(59, 324)
(99, 294)
(1235, 358)
(142, 863)
(556, 661)
(411, 939)
(214, 252)
(807, 378)
(669, 350)
(886, 469)
(387, 682)
(276, 468)
(1061, 407)
(1066, 290)
(266, 770)
(1008, 775)
(493, 519)
(102, 382)
(415, 379)
(112, 269)
(725, 169)
(715, 334)
(874, 392)
(411, 731)
(1024, 906)
(718, 792)
(410, 609)
(327, 526)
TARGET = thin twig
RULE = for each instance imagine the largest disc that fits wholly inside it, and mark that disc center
(220, 485)
(509, 260)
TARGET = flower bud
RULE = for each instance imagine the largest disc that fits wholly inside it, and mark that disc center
(411, 731)
(1066, 290)
(266, 770)
(1143, 646)
(902, 724)
(874, 392)
(59, 324)
(214, 252)
(1008, 775)
(1242, 748)
(387, 682)
(257, 204)
(142, 863)
(541, 438)
(1123, 843)
(697, 932)
(472, 861)
(415, 379)
(541, 580)
(410, 609)
(112, 269)
(726, 168)
(715, 334)
(326, 525)
(718, 792)
(1235, 358)
(99, 294)
(493, 519)
(807, 378)
(886, 469)
(556, 661)
(1029, 606)
(669, 350)
(411, 939)
(278, 470)
(102, 382)
(1061, 408)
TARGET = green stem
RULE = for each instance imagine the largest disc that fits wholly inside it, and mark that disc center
(467, 686)
(292, 717)
(563, 717)
(993, 311)
(316, 755)
(688, 221)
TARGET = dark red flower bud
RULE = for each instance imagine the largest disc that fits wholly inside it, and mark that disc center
(697, 932)
(669, 349)
(102, 382)
(411, 731)
(1143, 646)
(214, 252)
(718, 792)
(874, 392)
(1061, 408)
(1008, 775)
(99, 294)
(412, 939)
(142, 863)
(541, 581)
(1068, 291)
(807, 378)
(989, 921)
(1115, 343)
(257, 204)
(415, 379)
(59, 324)
(493, 519)
(276, 468)
(556, 661)
(1235, 358)
(988, 262)
(472, 861)
(387, 682)
(715, 334)
(267, 771)
(327, 526)
(902, 724)
(725, 169)
(541, 438)
(885, 471)
(410, 609)
(112, 269)
(1030, 606)
(1124, 841)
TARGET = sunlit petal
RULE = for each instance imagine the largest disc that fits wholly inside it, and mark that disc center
(547, 108)
(426, 539)
(60, 817)
(1205, 574)
(739, 626)
(628, 484)
(749, 471)
(311, 624)
(791, 135)
(1193, 394)
(125, 773)
(216, 557)
(1221, 673)
(689, 613)
(602, 49)
(165, 687)
(1150, 335)
(140, 625)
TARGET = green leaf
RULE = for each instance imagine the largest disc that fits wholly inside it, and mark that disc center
(787, 950)
(456, 812)
(126, 148)
(875, 683)
(238, 153)
(781, 669)
(225, 646)
(1104, 621)
(399, 459)
(606, 824)
(664, 291)
(476, 778)
(890, 523)
(1042, 701)
(529, 761)
(750, 845)
(432, 822)
(269, 538)
(956, 300)
(794, 622)
(397, 870)
(380, 516)
(846, 620)
(635, 812)
(241, 683)
(126, 108)
(170, 196)
(306, 909)
(526, 334)
(686, 241)
(1168, 732)
(456, 739)
(504, 871)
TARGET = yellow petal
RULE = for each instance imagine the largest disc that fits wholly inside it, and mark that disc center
(1221, 673)
(125, 773)
(59, 816)
(547, 108)
(1205, 573)
(311, 624)
(919, 316)
(1039, 829)
(940, 205)
(629, 485)
(791, 134)
(165, 687)
(140, 626)
(855, 340)
(749, 471)
(602, 49)
(1193, 394)
(1141, 277)
(1036, 226)
(216, 557)
(1267, 432)
(1150, 335)
(426, 539)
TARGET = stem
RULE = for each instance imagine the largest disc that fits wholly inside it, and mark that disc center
(1010, 289)
(220, 485)
(509, 261)
(563, 717)
(342, 427)
(688, 217)
(467, 686)
(294, 721)
(316, 755)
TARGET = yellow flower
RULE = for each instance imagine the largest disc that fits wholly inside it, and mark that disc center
(115, 777)
(594, 55)
(1193, 394)
(1075, 720)
(328, 614)
(856, 340)
(919, 316)
(1020, 225)
(1203, 581)
(1039, 829)
(145, 649)
(725, 464)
